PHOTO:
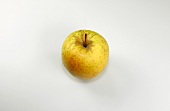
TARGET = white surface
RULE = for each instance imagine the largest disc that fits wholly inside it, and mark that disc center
(32, 77)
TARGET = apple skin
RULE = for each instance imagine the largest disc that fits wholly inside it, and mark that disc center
(85, 54)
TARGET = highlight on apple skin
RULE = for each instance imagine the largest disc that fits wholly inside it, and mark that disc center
(85, 54)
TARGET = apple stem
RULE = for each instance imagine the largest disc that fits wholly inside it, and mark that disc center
(84, 43)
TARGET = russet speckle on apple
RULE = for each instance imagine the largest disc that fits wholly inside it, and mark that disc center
(85, 54)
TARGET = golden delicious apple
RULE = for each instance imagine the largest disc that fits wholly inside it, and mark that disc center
(85, 54)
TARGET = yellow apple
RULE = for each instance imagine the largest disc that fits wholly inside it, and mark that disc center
(85, 54)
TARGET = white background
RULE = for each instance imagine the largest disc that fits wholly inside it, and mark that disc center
(32, 76)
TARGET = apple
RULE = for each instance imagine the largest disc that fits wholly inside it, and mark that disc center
(85, 54)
